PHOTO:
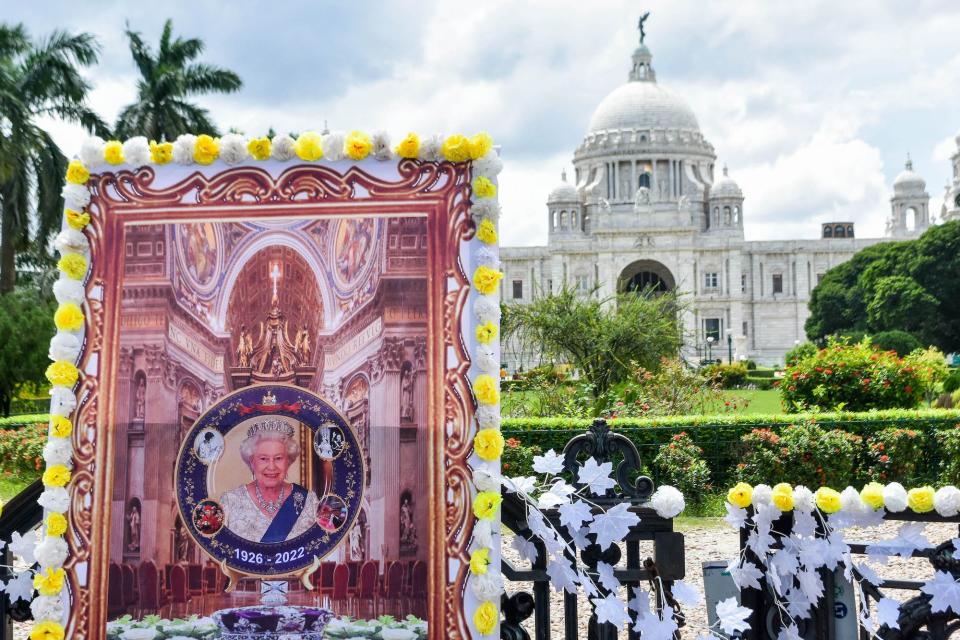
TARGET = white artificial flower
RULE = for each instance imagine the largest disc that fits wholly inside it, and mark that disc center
(483, 533)
(803, 499)
(54, 499)
(47, 608)
(488, 416)
(489, 166)
(430, 148)
(489, 586)
(851, 502)
(139, 634)
(282, 147)
(183, 148)
(486, 480)
(947, 501)
(51, 551)
(895, 497)
(91, 152)
(762, 494)
(487, 257)
(75, 196)
(64, 346)
(487, 360)
(58, 451)
(487, 308)
(136, 151)
(71, 241)
(486, 209)
(668, 502)
(233, 148)
(69, 290)
(381, 145)
(62, 401)
(332, 145)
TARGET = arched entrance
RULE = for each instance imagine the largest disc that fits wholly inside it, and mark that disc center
(645, 275)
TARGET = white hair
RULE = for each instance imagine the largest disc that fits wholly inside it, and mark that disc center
(248, 446)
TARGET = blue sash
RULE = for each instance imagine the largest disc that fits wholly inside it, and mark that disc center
(287, 516)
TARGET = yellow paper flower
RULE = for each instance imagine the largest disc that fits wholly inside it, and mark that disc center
(62, 373)
(483, 188)
(487, 332)
(920, 499)
(74, 265)
(61, 427)
(49, 583)
(740, 495)
(161, 152)
(357, 145)
(480, 145)
(260, 148)
(409, 147)
(486, 279)
(487, 232)
(456, 148)
(485, 388)
(56, 476)
(827, 499)
(68, 317)
(782, 497)
(479, 561)
(56, 524)
(308, 147)
(486, 503)
(113, 152)
(206, 149)
(872, 495)
(486, 617)
(77, 173)
(77, 219)
(488, 444)
(47, 630)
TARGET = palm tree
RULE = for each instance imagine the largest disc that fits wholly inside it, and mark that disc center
(37, 79)
(162, 111)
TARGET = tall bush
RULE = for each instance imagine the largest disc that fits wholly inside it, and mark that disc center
(21, 450)
(680, 463)
(801, 454)
(895, 454)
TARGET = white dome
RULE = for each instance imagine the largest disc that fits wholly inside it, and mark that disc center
(564, 192)
(908, 180)
(726, 187)
(642, 105)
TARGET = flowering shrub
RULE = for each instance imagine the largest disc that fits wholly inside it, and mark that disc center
(894, 454)
(517, 460)
(674, 389)
(21, 450)
(852, 377)
(728, 376)
(680, 463)
(949, 442)
(801, 454)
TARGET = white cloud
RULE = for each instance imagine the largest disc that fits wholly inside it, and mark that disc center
(945, 149)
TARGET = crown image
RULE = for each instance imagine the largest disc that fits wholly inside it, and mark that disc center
(271, 425)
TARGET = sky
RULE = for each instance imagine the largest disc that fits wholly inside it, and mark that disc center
(813, 105)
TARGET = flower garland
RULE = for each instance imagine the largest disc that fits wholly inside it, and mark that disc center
(49, 608)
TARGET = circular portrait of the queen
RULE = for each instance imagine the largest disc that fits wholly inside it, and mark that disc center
(255, 504)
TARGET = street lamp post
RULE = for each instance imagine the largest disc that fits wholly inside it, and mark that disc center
(729, 346)
(710, 348)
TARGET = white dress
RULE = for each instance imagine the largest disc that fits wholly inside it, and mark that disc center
(246, 519)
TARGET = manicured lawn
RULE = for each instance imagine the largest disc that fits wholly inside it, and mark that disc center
(758, 401)
(10, 486)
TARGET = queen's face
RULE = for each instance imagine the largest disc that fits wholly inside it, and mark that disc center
(269, 462)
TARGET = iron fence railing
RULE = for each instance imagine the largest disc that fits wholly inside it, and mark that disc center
(22, 515)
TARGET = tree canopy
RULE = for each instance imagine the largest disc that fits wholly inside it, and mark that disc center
(26, 327)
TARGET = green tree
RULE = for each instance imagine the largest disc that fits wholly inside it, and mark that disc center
(896, 340)
(605, 339)
(38, 79)
(168, 78)
(899, 302)
(935, 266)
(26, 327)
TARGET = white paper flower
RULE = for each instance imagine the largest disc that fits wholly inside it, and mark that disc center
(487, 308)
(20, 586)
(489, 586)
(483, 533)
(71, 241)
(91, 152)
(947, 501)
(762, 494)
(332, 145)
(487, 257)
(233, 148)
(62, 401)
(139, 634)
(47, 608)
(51, 551)
(487, 360)
(282, 147)
(58, 451)
(895, 497)
(54, 499)
(183, 148)
(803, 499)
(64, 346)
(488, 416)
(668, 502)
(381, 145)
(486, 209)
(69, 290)
(489, 166)
(136, 151)
(75, 196)
(851, 502)
(430, 148)
(486, 480)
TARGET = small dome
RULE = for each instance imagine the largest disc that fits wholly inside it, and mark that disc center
(642, 105)
(907, 180)
(564, 192)
(726, 187)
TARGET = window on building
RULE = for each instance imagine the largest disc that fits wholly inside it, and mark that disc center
(645, 179)
(711, 280)
(583, 283)
(744, 328)
(549, 286)
(778, 283)
(743, 283)
(711, 329)
(840, 231)
(827, 231)
(517, 289)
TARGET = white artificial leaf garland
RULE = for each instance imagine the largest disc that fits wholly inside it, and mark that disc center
(888, 613)
(613, 525)
(606, 577)
(596, 476)
(23, 547)
(610, 609)
(686, 594)
(573, 515)
(20, 587)
(944, 592)
(732, 618)
(526, 548)
(549, 463)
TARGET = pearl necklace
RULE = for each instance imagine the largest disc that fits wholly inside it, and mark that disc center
(270, 506)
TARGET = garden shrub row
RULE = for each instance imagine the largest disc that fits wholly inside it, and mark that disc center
(21, 449)
(19, 421)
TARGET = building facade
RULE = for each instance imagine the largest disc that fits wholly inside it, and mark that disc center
(647, 207)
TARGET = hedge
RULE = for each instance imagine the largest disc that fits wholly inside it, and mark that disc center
(720, 436)
(19, 421)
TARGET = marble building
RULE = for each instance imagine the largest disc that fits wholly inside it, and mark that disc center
(647, 206)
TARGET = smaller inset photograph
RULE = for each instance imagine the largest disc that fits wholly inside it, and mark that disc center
(328, 441)
(331, 513)
(208, 517)
(208, 445)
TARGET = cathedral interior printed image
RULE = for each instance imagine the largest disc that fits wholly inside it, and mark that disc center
(336, 306)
